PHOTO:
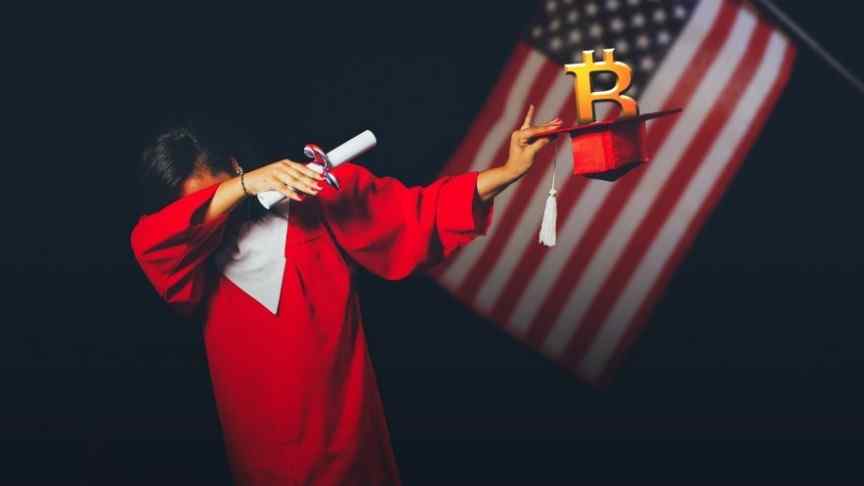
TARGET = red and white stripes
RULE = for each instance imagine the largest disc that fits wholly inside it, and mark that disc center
(583, 301)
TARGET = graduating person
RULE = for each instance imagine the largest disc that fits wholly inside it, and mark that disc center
(294, 386)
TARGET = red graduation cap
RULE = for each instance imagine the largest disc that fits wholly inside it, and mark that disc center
(601, 150)
(609, 149)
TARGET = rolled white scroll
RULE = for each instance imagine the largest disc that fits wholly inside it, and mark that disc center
(343, 153)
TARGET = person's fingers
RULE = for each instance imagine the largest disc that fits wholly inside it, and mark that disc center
(542, 143)
(284, 177)
(287, 179)
(290, 193)
(294, 169)
(307, 187)
(303, 169)
(300, 180)
(528, 117)
(534, 132)
(538, 144)
(306, 178)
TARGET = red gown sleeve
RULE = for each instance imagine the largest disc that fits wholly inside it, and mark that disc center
(392, 230)
(172, 246)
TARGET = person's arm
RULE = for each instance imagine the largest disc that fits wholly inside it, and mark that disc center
(524, 145)
(286, 176)
(172, 244)
(392, 230)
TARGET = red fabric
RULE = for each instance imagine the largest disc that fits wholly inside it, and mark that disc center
(607, 150)
(611, 147)
(296, 392)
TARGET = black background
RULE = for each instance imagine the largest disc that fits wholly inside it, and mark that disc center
(758, 337)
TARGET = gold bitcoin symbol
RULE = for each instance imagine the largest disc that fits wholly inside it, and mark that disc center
(585, 98)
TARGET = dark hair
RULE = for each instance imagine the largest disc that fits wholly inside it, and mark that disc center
(173, 157)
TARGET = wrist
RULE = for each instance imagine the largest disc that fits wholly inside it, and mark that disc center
(492, 181)
(242, 178)
(510, 173)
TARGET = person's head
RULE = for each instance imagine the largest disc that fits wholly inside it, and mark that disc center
(180, 162)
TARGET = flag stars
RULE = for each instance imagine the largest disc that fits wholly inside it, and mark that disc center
(642, 30)
(622, 46)
(647, 63)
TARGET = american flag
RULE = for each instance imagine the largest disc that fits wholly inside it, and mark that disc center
(583, 302)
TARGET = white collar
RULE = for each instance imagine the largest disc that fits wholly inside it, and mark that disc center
(255, 260)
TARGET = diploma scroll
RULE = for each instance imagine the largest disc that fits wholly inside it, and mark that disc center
(343, 153)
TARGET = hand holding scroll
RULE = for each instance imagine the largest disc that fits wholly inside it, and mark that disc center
(285, 176)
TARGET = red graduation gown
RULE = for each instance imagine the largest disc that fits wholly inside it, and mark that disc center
(295, 390)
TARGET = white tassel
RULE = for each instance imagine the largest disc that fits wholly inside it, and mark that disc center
(550, 213)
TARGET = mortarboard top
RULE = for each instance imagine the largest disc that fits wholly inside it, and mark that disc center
(609, 149)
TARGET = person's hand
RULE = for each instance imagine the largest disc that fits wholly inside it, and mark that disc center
(526, 142)
(286, 176)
